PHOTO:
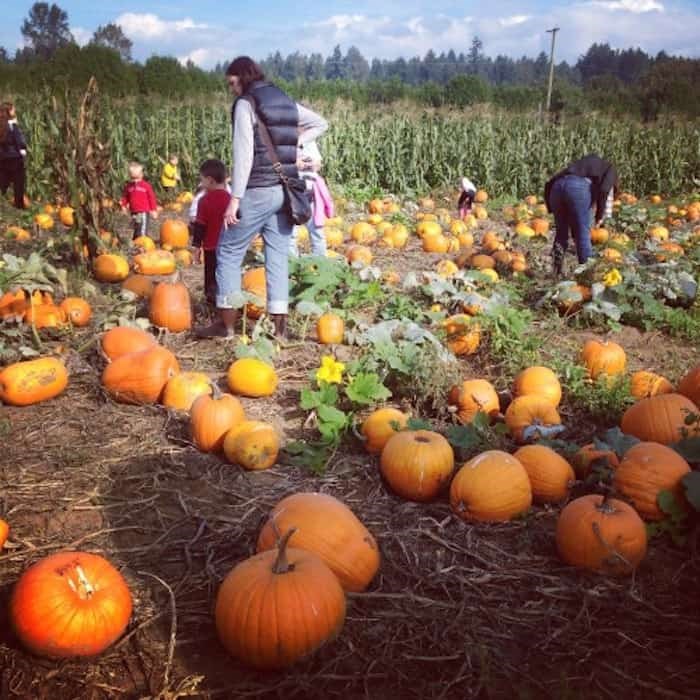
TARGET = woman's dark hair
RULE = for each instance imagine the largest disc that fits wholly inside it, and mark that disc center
(214, 169)
(247, 70)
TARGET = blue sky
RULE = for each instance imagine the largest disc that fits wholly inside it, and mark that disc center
(209, 31)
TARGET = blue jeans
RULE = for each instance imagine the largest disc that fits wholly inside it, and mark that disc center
(316, 237)
(261, 211)
(571, 203)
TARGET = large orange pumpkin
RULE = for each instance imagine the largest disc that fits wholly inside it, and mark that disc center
(174, 233)
(491, 487)
(70, 604)
(603, 358)
(170, 307)
(211, 417)
(123, 340)
(604, 535)
(646, 470)
(659, 418)
(32, 381)
(380, 425)
(278, 607)
(540, 381)
(252, 377)
(417, 464)
(689, 386)
(252, 444)
(183, 389)
(644, 384)
(472, 397)
(140, 377)
(531, 417)
(551, 476)
(77, 311)
(328, 528)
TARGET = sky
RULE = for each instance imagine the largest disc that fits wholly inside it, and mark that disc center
(209, 31)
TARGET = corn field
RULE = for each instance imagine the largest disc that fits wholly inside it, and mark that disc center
(401, 149)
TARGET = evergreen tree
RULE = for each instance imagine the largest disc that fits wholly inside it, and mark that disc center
(46, 29)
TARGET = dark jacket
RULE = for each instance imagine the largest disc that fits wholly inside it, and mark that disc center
(601, 173)
(281, 116)
(13, 143)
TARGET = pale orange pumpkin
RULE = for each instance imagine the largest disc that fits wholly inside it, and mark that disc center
(380, 425)
(140, 285)
(32, 381)
(330, 329)
(531, 417)
(252, 444)
(359, 253)
(45, 316)
(474, 396)
(184, 389)
(252, 377)
(463, 334)
(110, 267)
(540, 381)
(551, 476)
(154, 262)
(644, 384)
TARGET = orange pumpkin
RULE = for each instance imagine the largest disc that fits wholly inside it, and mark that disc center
(645, 384)
(603, 358)
(4, 532)
(330, 329)
(436, 243)
(9, 305)
(252, 377)
(472, 397)
(45, 316)
(174, 233)
(140, 285)
(70, 604)
(144, 243)
(327, 527)
(540, 381)
(359, 253)
(211, 417)
(183, 389)
(140, 377)
(550, 474)
(483, 262)
(154, 262)
(417, 464)
(599, 236)
(254, 282)
(32, 381)
(659, 418)
(380, 425)
(77, 311)
(123, 340)
(604, 535)
(110, 267)
(463, 334)
(531, 417)
(646, 470)
(279, 606)
(689, 386)
(491, 487)
(170, 307)
(252, 444)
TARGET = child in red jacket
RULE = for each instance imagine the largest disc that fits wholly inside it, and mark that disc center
(140, 199)
(210, 220)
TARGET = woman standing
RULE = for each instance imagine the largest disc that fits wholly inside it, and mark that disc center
(257, 199)
(570, 195)
(13, 149)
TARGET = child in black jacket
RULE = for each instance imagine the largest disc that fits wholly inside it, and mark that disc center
(13, 149)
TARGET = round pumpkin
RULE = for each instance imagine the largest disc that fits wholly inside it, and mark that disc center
(77, 311)
(174, 233)
(70, 604)
(644, 384)
(646, 470)
(491, 487)
(154, 262)
(183, 389)
(472, 397)
(278, 607)
(540, 381)
(483, 262)
(140, 377)
(604, 535)
(585, 458)
(689, 386)
(327, 527)
(170, 307)
(417, 464)
(123, 340)
(463, 334)
(211, 417)
(330, 329)
(252, 377)
(659, 418)
(144, 243)
(66, 216)
(531, 417)
(140, 285)
(254, 282)
(110, 267)
(359, 253)
(603, 358)
(252, 444)
(32, 381)
(380, 425)
(550, 474)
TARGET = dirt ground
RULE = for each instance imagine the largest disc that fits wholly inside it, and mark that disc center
(456, 611)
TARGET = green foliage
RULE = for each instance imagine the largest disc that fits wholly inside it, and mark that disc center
(478, 436)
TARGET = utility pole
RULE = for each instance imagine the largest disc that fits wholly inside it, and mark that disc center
(553, 32)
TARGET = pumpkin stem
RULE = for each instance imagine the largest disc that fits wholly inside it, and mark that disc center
(281, 565)
(216, 392)
(615, 556)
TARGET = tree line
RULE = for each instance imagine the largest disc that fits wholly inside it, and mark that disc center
(627, 81)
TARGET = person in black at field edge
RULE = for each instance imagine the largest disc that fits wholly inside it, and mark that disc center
(13, 149)
(570, 195)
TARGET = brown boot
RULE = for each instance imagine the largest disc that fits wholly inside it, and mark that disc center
(223, 327)
(280, 323)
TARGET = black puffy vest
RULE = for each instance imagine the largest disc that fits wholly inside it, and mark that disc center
(281, 116)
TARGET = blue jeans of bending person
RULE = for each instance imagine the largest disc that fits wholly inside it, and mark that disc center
(571, 201)
(261, 211)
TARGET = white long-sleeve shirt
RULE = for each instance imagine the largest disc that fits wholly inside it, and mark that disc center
(311, 126)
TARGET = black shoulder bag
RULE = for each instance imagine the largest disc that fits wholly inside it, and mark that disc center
(296, 196)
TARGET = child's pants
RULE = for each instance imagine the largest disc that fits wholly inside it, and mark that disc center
(140, 221)
(210, 275)
(316, 238)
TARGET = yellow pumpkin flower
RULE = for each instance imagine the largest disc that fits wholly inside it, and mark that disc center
(330, 370)
(612, 278)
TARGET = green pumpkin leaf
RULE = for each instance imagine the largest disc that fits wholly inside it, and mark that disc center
(691, 482)
(689, 449)
(367, 389)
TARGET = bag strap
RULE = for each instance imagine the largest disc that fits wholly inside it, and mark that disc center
(267, 140)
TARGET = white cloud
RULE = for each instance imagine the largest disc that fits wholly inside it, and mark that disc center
(513, 21)
(636, 6)
(82, 36)
(150, 26)
(205, 57)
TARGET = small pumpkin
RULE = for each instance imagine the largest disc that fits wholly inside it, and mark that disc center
(32, 381)
(140, 377)
(644, 384)
(417, 464)
(646, 470)
(252, 444)
(45, 316)
(66, 216)
(154, 262)
(551, 476)
(110, 267)
(4, 532)
(330, 329)
(603, 358)
(170, 307)
(140, 285)
(491, 487)
(144, 243)
(359, 253)
(77, 311)
(463, 334)
(689, 385)
(328, 528)
(252, 377)
(531, 417)
(174, 233)
(540, 381)
(474, 396)
(123, 340)
(380, 425)
(659, 418)
(278, 607)
(482, 262)
(601, 534)
(183, 389)
(70, 604)
(212, 416)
